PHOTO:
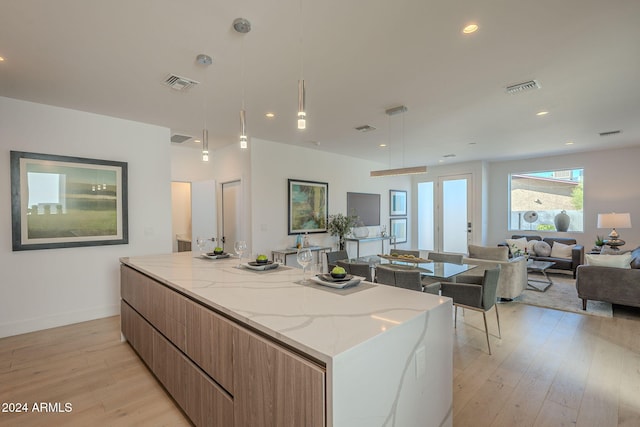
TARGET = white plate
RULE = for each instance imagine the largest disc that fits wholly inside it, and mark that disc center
(223, 255)
(261, 267)
(339, 285)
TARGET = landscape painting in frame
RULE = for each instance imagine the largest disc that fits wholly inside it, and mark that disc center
(308, 206)
(61, 201)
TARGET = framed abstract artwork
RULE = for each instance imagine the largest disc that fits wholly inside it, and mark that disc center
(308, 210)
(61, 201)
(397, 203)
(398, 230)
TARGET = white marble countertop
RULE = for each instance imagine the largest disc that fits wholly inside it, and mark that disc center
(321, 322)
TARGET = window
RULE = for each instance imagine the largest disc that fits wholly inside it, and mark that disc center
(546, 201)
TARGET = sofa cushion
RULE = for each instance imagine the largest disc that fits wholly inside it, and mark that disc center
(517, 246)
(500, 253)
(618, 261)
(560, 250)
(542, 248)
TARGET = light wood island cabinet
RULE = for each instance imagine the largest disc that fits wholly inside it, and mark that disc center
(220, 373)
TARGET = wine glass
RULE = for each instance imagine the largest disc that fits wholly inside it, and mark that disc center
(201, 242)
(240, 247)
(304, 258)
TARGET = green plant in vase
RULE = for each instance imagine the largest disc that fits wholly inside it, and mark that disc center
(340, 225)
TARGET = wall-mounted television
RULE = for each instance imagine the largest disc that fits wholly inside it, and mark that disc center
(366, 206)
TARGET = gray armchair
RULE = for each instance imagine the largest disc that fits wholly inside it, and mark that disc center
(476, 296)
(361, 269)
(407, 278)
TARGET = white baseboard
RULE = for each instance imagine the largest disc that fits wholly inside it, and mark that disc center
(53, 321)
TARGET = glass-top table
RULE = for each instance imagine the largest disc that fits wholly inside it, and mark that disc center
(437, 270)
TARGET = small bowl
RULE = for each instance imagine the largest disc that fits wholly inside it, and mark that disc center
(262, 261)
(339, 276)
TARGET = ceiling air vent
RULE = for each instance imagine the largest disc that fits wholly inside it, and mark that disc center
(365, 128)
(179, 139)
(611, 132)
(522, 87)
(179, 83)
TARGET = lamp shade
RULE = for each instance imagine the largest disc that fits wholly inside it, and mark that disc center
(614, 220)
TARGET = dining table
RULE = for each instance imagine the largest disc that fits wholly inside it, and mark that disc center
(445, 271)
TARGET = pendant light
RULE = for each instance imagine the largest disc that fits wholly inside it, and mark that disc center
(205, 60)
(302, 115)
(242, 26)
(403, 170)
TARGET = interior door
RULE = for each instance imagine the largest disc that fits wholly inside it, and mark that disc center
(454, 213)
(231, 214)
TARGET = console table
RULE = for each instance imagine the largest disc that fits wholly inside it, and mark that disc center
(359, 240)
(280, 255)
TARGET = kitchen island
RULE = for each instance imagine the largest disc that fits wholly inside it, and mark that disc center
(236, 347)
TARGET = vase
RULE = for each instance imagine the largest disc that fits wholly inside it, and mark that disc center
(562, 221)
(341, 243)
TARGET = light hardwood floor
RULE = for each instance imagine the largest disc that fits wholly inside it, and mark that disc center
(551, 368)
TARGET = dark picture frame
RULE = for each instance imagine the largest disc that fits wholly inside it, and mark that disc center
(63, 201)
(398, 229)
(397, 203)
(308, 206)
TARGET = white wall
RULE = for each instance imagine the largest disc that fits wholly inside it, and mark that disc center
(610, 185)
(272, 164)
(47, 288)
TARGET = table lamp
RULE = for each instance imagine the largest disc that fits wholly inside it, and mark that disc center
(614, 220)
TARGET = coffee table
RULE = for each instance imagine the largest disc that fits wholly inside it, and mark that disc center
(539, 267)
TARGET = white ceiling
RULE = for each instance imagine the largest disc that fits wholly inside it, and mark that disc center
(360, 58)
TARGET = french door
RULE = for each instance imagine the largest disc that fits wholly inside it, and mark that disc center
(444, 214)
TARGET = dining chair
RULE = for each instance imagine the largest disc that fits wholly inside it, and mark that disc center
(362, 269)
(408, 279)
(385, 275)
(332, 257)
(442, 257)
(479, 297)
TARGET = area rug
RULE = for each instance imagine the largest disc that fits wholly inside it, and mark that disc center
(562, 295)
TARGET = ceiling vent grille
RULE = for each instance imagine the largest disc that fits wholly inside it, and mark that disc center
(365, 128)
(179, 83)
(612, 132)
(179, 139)
(522, 87)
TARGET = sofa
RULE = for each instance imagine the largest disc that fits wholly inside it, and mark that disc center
(610, 284)
(570, 264)
(513, 271)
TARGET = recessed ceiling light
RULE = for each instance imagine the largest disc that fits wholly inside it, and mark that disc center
(471, 28)
(197, 141)
(383, 145)
(542, 113)
(1, 59)
(568, 143)
(270, 115)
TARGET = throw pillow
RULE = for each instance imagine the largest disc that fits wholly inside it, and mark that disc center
(499, 253)
(560, 250)
(635, 258)
(531, 247)
(517, 246)
(542, 248)
(618, 261)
